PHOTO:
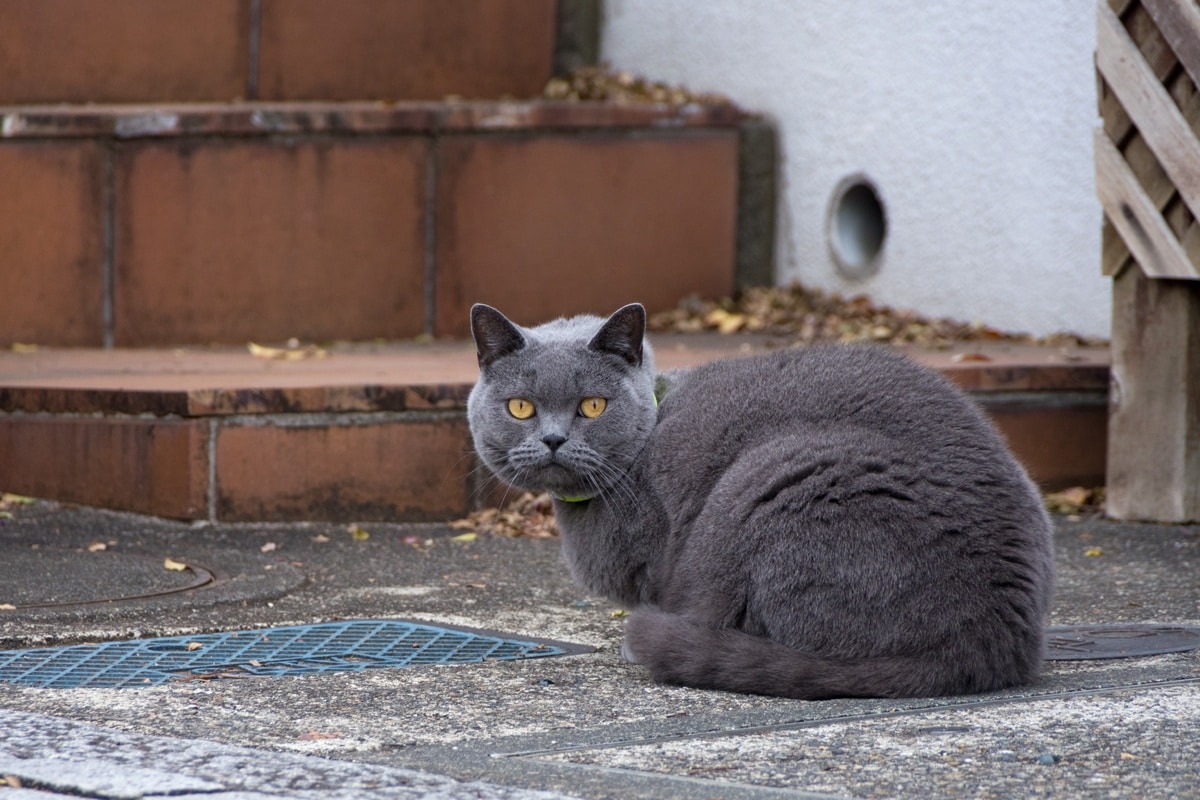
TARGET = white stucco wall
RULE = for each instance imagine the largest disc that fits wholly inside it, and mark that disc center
(972, 118)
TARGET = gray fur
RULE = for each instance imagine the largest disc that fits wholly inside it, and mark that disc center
(813, 522)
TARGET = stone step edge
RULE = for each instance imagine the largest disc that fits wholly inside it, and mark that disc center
(204, 382)
(357, 437)
(350, 118)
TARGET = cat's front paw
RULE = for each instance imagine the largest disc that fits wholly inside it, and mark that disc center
(627, 653)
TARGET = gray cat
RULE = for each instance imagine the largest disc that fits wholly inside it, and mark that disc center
(813, 522)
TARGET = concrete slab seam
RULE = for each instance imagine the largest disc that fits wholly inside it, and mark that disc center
(847, 718)
(709, 784)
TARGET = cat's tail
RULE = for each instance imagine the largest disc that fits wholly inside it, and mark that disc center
(679, 652)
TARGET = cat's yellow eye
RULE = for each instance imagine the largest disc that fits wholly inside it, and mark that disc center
(520, 408)
(592, 407)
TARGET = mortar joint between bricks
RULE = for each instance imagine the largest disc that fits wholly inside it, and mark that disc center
(341, 419)
(210, 493)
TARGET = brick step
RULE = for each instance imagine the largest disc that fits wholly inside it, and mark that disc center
(150, 226)
(378, 432)
(173, 51)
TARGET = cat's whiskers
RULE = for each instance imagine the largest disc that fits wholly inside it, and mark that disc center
(505, 470)
(480, 480)
(609, 480)
(479, 467)
(464, 455)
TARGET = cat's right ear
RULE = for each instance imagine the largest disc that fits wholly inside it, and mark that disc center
(495, 336)
(622, 334)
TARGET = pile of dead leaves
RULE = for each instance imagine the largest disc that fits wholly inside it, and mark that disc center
(808, 315)
(530, 515)
(1076, 500)
(602, 84)
(11, 501)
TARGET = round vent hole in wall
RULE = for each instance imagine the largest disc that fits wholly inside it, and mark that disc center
(857, 227)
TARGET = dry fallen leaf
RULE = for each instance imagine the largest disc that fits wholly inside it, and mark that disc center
(1075, 500)
(530, 515)
(619, 613)
(464, 537)
(193, 646)
(418, 542)
(294, 352)
(174, 566)
(7, 607)
(1092, 552)
(320, 538)
(269, 547)
(1077, 495)
(358, 534)
(959, 358)
(313, 736)
(8, 500)
(810, 315)
(623, 88)
(725, 321)
(96, 547)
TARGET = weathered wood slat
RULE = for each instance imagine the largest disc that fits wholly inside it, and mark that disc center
(1121, 131)
(1153, 470)
(1115, 256)
(1136, 218)
(1150, 42)
(1117, 123)
(1157, 54)
(1148, 181)
(1179, 23)
(1155, 114)
(1183, 92)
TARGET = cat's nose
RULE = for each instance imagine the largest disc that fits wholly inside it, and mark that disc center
(553, 441)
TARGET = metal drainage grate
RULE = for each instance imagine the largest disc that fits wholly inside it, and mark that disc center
(350, 646)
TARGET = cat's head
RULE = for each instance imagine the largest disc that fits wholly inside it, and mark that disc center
(563, 407)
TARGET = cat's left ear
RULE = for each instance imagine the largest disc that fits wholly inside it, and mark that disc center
(622, 334)
(495, 336)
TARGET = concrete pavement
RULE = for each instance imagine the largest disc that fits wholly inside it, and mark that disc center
(586, 725)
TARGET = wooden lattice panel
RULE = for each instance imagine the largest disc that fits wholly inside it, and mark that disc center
(1148, 150)
(1148, 181)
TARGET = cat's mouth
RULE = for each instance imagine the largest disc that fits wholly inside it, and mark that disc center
(554, 477)
(557, 475)
(554, 472)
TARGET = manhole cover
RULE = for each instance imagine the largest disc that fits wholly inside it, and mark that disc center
(70, 577)
(350, 646)
(1080, 643)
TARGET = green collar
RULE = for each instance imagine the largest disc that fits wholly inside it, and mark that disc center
(583, 498)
